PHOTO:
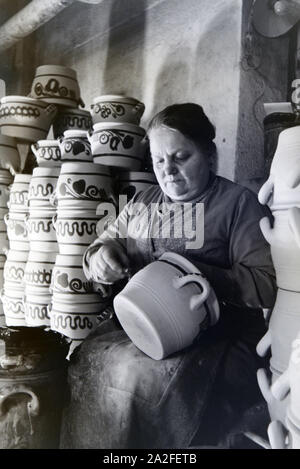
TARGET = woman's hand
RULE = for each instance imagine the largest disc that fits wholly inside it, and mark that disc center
(109, 264)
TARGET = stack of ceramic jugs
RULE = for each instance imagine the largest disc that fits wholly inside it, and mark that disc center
(81, 186)
(9, 164)
(17, 254)
(282, 193)
(119, 142)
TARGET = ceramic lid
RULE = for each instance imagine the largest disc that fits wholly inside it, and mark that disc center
(75, 133)
(47, 143)
(119, 126)
(108, 98)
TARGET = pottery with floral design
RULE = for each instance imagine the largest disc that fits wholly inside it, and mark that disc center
(83, 185)
(119, 145)
(14, 269)
(38, 272)
(135, 181)
(284, 239)
(42, 186)
(18, 194)
(68, 276)
(74, 146)
(9, 154)
(25, 118)
(115, 108)
(71, 119)
(17, 231)
(75, 321)
(47, 153)
(282, 189)
(150, 306)
(41, 232)
(75, 230)
(56, 84)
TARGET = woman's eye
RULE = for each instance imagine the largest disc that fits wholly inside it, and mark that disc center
(159, 162)
(182, 157)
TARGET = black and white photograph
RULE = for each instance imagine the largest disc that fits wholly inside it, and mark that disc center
(149, 228)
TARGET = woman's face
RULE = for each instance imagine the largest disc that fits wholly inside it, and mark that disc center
(181, 168)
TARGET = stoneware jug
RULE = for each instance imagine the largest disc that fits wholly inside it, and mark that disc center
(36, 309)
(25, 118)
(18, 195)
(282, 189)
(71, 119)
(41, 232)
(32, 388)
(74, 146)
(283, 329)
(119, 145)
(165, 305)
(56, 84)
(38, 272)
(114, 108)
(41, 186)
(14, 269)
(17, 231)
(47, 153)
(284, 238)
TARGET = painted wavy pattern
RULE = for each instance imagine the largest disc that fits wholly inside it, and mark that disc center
(36, 226)
(36, 312)
(13, 273)
(66, 228)
(41, 190)
(41, 277)
(66, 321)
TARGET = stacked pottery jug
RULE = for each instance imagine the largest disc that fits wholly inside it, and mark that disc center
(119, 142)
(14, 268)
(282, 193)
(81, 186)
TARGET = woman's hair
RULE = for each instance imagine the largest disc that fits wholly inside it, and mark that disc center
(190, 120)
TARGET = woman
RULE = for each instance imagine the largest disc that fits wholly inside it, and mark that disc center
(172, 403)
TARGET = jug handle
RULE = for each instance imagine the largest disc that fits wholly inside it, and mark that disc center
(196, 300)
(266, 191)
(33, 405)
(294, 223)
(264, 344)
(6, 218)
(281, 387)
(264, 385)
(53, 198)
(54, 220)
(266, 229)
(277, 435)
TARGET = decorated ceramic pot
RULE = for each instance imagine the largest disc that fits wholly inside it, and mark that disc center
(277, 409)
(9, 154)
(83, 185)
(71, 119)
(38, 272)
(17, 231)
(76, 321)
(68, 276)
(6, 177)
(47, 153)
(68, 298)
(18, 195)
(119, 145)
(4, 196)
(282, 189)
(56, 84)
(74, 146)
(25, 118)
(75, 230)
(41, 232)
(114, 108)
(13, 307)
(42, 186)
(14, 269)
(132, 182)
(283, 328)
(284, 238)
(165, 306)
(36, 310)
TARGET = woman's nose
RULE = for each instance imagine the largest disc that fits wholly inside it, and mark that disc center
(170, 167)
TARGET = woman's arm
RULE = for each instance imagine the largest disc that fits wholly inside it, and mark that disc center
(251, 280)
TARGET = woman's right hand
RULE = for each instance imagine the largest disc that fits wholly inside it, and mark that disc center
(109, 264)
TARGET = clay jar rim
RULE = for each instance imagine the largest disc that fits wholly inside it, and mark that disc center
(47, 143)
(69, 261)
(75, 133)
(22, 179)
(23, 99)
(41, 172)
(102, 126)
(55, 69)
(108, 98)
(74, 167)
(71, 110)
